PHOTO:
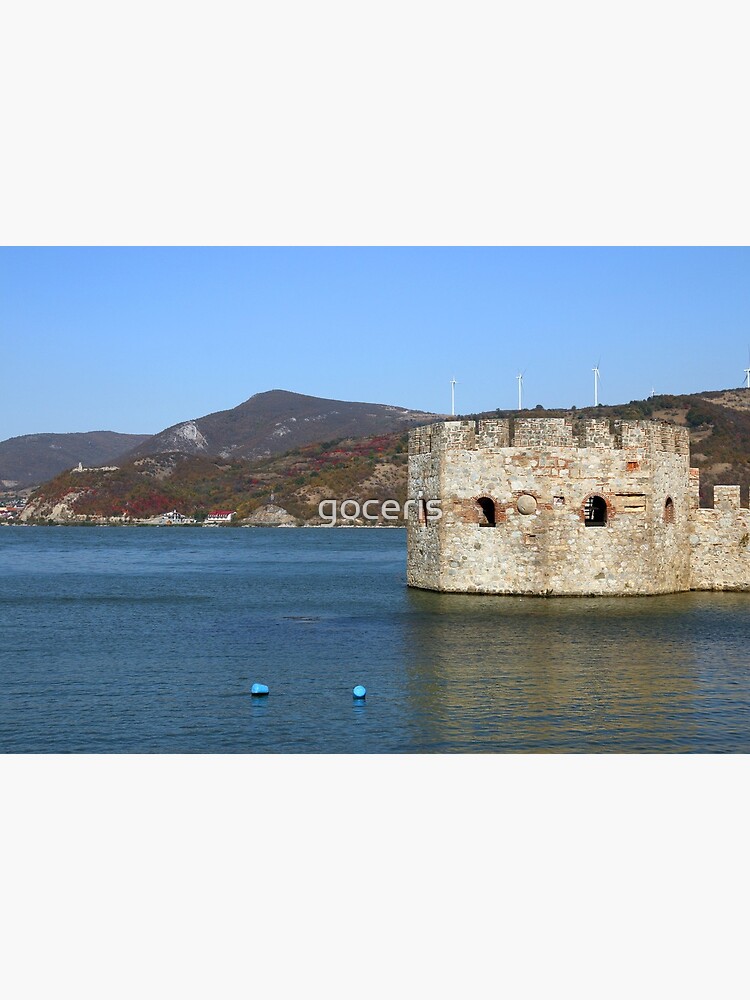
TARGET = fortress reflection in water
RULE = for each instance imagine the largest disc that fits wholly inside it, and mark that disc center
(577, 674)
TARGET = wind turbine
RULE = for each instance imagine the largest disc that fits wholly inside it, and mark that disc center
(519, 379)
(595, 370)
(453, 397)
(747, 371)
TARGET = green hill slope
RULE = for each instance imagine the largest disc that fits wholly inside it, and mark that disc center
(371, 467)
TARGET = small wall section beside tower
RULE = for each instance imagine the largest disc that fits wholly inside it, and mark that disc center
(720, 543)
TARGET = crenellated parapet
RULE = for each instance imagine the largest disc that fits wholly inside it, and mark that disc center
(535, 432)
(694, 480)
(720, 543)
(569, 505)
(727, 498)
(550, 432)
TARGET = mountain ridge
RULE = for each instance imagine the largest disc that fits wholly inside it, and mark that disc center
(31, 459)
(272, 422)
(266, 424)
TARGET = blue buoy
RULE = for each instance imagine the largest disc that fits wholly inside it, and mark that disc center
(259, 689)
(359, 691)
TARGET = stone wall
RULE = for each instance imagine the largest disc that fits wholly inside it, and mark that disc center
(549, 468)
(553, 432)
(549, 432)
(423, 551)
(720, 543)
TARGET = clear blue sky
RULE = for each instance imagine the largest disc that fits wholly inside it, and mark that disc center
(136, 339)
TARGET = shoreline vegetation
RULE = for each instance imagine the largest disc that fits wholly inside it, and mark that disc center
(281, 491)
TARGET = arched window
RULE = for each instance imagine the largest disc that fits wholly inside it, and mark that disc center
(669, 511)
(595, 512)
(487, 518)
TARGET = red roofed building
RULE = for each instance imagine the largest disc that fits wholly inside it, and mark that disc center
(220, 516)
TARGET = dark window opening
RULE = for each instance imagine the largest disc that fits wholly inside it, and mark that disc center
(595, 512)
(488, 512)
(669, 511)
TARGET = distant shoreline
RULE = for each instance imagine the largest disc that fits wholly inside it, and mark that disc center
(185, 527)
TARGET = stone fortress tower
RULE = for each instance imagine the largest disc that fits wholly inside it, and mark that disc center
(556, 506)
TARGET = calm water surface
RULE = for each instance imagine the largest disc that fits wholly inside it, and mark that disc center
(132, 640)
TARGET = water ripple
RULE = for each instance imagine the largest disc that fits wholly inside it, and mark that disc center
(147, 641)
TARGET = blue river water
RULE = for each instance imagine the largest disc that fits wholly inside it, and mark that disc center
(138, 640)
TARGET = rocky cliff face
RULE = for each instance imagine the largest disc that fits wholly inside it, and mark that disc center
(272, 516)
(58, 510)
